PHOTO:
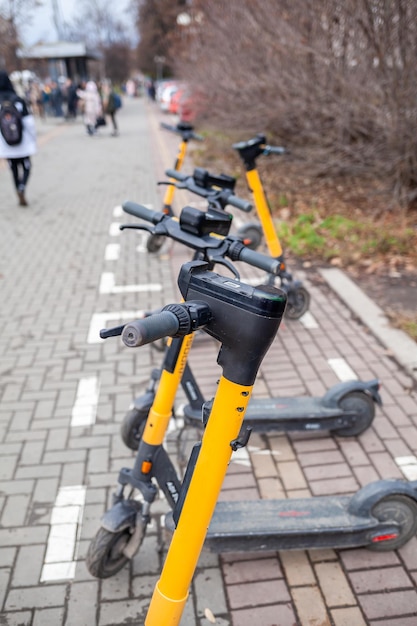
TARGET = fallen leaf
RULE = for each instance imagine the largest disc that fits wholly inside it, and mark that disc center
(209, 615)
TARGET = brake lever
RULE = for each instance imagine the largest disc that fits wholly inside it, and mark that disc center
(149, 229)
(111, 332)
(222, 261)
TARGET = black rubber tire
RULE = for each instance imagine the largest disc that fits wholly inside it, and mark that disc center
(364, 407)
(154, 243)
(298, 302)
(105, 553)
(402, 510)
(132, 427)
(253, 233)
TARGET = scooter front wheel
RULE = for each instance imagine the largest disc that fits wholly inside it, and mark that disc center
(298, 302)
(401, 510)
(132, 427)
(105, 553)
(363, 407)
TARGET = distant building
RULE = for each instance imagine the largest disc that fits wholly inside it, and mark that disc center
(63, 58)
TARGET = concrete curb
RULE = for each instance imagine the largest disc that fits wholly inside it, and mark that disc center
(396, 341)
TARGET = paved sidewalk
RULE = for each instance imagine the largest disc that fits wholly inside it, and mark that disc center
(65, 272)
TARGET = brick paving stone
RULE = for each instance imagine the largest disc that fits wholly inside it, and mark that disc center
(123, 612)
(35, 597)
(20, 618)
(257, 593)
(298, 570)
(345, 485)
(253, 570)
(22, 574)
(48, 617)
(291, 475)
(277, 615)
(408, 554)
(360, 559)
(15, 510)
(392, 604)
(351, 616)
(208, 591)
(380, 579)
(334, 586)
(365, 474)
(310, 606)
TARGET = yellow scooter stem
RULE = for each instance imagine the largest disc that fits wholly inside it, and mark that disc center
(226, 417)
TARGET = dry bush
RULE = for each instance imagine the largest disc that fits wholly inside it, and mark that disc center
(336, 81)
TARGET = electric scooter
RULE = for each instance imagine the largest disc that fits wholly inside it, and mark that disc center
(124, 525)
(249, 151)
(186, 131)
(382, 515)
(347, 408)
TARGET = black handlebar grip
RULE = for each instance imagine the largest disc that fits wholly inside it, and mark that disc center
(274, 150)
(157, 326)
(239, 203)
(176, 175)
(138, 210)
(261, 261)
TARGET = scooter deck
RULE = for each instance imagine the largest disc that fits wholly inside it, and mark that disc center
(287, 524)
(274, 412)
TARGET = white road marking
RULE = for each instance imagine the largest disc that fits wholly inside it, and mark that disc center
(63, 540)
(108, 285)
(112, 252)
(342, 369)
(84, 410)
(408, 466)
(308, 321)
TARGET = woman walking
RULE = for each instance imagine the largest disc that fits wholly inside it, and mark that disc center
(17, 135)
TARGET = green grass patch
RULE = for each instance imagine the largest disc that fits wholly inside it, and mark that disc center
(310, 235)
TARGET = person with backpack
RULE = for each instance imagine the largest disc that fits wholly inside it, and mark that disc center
(17, 135)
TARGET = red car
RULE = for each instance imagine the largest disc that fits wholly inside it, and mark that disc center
(191, 104)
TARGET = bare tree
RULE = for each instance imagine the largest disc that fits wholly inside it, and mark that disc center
(99, 25)
(13, 14)
(335, 79)
(156, 22)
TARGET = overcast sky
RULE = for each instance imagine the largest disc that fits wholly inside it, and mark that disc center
(42, 27)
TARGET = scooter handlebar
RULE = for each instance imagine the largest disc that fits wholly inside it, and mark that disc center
(275, 150)
(239, 252)
(185, 131)
(149, 329)
(238, 203)
(176, 175)
(138, 210)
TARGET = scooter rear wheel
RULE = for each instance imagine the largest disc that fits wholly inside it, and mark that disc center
(360, 403)
(298, 302)
(402, 510)
(252, 233)
(105, 554)
(132, 427)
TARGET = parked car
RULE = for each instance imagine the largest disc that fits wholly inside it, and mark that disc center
(176, 99)
(191, 104)
(166, 95)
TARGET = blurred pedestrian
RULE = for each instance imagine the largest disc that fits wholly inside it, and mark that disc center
(93, 109)
(111, 104)
(71, 98)
(22, 126)
(56, 99)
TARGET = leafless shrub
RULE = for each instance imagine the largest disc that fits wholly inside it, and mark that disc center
(336, 80)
